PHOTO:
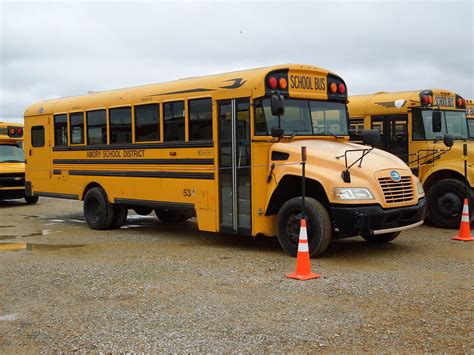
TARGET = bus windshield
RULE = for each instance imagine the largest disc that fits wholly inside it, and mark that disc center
(453, 122)
(303, 117)
(11, 153)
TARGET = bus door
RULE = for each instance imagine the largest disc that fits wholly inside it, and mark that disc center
(393, 134)
(38, 153)
(234, 166)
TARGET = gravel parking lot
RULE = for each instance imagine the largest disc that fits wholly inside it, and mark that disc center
(162, 287)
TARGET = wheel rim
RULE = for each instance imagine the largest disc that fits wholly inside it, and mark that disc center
(93, 210)
(292, 226)
(449, 204)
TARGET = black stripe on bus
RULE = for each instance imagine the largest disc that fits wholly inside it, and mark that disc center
(136, 161)
(56, 172)
(166, 145)
(154, 204)
(56, 195)
(149, 174)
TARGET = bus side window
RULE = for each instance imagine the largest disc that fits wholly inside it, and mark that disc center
(96, 127)
(356, 125)
(37, 136)
(200, 119)
(60, 130)
(174, 121)
(120, 125)
(76, 124)
(147, 123)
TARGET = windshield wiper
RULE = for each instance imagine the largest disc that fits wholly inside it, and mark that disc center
(12, 161)
(328, 133)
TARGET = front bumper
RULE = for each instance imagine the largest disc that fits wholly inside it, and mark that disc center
(12, 194)
(359, 220)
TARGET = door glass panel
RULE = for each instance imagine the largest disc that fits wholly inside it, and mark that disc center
(243, 162)
(234, 164)
(378, 123)
(225, 163)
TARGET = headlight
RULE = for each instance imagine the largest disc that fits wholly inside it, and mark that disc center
(419, 188)
(352, 193)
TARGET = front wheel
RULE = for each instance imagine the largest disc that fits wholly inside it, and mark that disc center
(318, 226)
(380, 238)
(445, 203)
(31, 200)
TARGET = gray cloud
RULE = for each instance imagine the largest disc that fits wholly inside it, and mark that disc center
(51, 50)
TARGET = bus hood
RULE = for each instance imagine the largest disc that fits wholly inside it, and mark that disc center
(327, 151)
(324, 167)
(8, 168)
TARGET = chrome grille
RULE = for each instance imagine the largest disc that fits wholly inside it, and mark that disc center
(397, 191)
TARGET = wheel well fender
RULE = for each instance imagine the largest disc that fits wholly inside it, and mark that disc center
(289, 186)
(90, 186)
(440, 175)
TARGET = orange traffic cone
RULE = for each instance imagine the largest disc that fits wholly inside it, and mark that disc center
(303, 266)
(464, 228)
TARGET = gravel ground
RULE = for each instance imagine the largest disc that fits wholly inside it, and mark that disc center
(156, 287)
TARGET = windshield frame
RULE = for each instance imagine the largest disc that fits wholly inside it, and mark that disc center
(9, 160)
(258, 105)
(445, 126)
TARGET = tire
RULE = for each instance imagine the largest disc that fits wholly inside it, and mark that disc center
(98, 212)
(142, 210)
(445, 203)
(171, 216)
(120, 216)
(319, 226)
(31, 200)
(380, 238)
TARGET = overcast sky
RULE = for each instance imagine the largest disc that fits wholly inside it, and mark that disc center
(55, 49)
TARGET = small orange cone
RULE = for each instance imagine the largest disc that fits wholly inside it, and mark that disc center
(303, 265)
(464, 229)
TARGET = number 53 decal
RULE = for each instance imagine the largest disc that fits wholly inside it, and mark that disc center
(188, 192)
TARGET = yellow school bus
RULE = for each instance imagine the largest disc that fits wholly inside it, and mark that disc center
(405, 121)
(470, 117)
(12, 163)
(225, 149)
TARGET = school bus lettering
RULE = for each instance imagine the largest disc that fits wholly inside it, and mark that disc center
(443, 101)
(213, 163)
(124, 153)
(300, 82)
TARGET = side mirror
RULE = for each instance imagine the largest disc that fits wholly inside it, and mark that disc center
(436, 121)
(278, 105)
(448, 140)
(371, 137)
(277, 132)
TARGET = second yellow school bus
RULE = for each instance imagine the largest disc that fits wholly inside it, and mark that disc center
(214, 147)
(405, 122)
(12, 163)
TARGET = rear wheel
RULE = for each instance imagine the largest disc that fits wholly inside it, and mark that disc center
(98, 212)
(380, 238)
(143, 211)
(120, 216)
(318, 226)
(31, 200)
(171, 216)
(445, 203)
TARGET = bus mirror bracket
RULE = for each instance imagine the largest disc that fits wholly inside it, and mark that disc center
(436, 121)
